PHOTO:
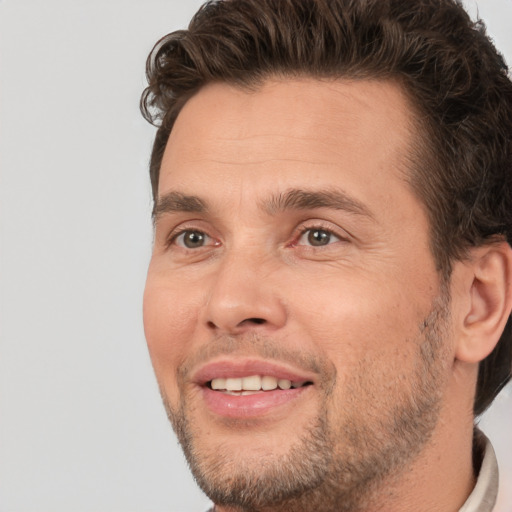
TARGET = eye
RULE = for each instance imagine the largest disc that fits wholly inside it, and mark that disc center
(317, 237)
(191, 239)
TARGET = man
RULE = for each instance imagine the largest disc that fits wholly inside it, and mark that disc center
(327, 305)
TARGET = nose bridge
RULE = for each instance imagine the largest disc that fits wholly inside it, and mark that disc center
(244, 292)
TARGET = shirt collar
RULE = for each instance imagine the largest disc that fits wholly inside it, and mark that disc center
(485, 492)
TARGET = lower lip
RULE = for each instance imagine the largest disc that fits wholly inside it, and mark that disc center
(247, 406)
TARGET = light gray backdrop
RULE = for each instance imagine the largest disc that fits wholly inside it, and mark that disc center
(81, 424)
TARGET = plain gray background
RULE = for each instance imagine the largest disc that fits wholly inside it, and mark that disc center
(81, 424)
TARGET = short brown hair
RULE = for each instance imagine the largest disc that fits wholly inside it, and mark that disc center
(449, 68)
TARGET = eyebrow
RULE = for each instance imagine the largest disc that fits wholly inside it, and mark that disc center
(299, 199)
(293, 199)
(178, 202)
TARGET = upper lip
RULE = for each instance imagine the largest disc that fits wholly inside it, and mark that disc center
(225, 368)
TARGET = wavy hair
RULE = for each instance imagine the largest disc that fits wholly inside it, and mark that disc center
(461, 166)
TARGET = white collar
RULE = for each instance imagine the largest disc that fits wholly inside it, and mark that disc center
(485, 492)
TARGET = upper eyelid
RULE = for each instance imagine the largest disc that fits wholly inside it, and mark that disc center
(323, 225)
(175, 234)
(302, 227)
(170, 231)
(320, 228)
(207, 240)
(336, 239)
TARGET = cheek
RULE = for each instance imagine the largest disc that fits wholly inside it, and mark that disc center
(354, 319)
(373, 341)
(170, 318)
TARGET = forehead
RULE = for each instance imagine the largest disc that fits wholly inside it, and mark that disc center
(292, 130)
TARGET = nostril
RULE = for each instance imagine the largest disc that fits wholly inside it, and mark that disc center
(254, 321)
(257, 321)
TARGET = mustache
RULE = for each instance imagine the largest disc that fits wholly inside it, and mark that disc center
(262, 347)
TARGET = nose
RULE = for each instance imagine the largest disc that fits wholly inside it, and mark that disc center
(244, 296)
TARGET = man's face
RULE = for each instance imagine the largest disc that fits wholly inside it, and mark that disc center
(293, 312)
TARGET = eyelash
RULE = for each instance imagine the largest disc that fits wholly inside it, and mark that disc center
(302, 230)
(182, 231)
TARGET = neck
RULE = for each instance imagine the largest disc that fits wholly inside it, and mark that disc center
(441, 478)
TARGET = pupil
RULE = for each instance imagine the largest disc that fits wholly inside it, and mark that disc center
(319, 237)
(193, 239)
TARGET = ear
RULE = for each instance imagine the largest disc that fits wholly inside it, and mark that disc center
(486, 286)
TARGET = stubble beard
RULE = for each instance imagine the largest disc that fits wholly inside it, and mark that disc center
(333, 467)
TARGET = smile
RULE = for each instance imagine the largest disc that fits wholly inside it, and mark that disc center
(253, 384)
(251, 388)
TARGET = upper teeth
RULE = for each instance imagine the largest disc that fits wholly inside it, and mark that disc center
(253, 383)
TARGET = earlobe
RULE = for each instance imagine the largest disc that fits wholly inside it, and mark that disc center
(488, 289)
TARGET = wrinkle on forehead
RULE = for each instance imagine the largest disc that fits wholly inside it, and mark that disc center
(257, 122)
(236, 147)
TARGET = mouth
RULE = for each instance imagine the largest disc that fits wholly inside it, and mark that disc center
(243, 389)
(253, 384)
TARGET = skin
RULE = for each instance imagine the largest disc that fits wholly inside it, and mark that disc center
(354, 315)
